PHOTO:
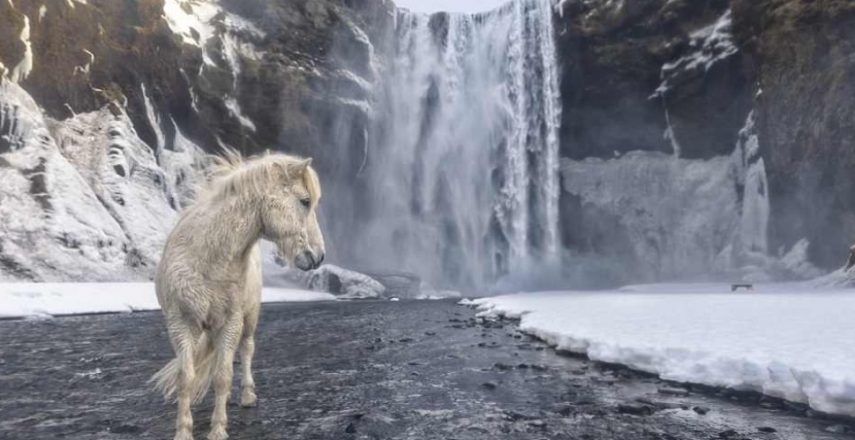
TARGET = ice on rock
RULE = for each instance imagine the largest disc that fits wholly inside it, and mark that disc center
(184, 165)
(223, 38)
(678, 213)
(330, 279)
(191, 19)
(124, 174)
(344, 283)
(708, 45)
(22, 70)
(153, 120)
(84, 198)
(751, 171)
(54, 226)
(690, 217)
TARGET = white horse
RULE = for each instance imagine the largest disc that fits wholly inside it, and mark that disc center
(208, 280)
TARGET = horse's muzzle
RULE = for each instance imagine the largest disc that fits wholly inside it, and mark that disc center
(307, 261)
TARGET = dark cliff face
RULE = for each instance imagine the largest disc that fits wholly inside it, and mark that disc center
(277, 62)
(791, 61)
(804, 58)
(613, 56)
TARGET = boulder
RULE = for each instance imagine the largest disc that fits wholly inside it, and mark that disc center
(344, 283)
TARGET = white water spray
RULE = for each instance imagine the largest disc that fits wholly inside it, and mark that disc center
(463, 179)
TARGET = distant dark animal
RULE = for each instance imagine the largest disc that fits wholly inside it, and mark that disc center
(735, 287)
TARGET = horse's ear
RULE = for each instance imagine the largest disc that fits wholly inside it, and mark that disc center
(300, 167)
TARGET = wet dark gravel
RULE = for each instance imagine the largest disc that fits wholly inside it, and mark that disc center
(367, 370)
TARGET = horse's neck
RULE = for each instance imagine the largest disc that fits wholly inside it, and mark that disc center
(233, 230)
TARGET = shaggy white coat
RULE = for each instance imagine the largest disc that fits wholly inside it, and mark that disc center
(208, 280)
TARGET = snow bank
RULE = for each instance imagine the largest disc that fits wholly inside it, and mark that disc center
(781, 340)
(50, 299)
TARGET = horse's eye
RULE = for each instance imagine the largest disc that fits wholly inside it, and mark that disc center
(305, 202)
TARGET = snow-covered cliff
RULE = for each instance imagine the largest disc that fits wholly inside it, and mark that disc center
(83, 198)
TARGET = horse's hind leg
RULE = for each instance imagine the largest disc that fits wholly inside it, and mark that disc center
(184, 341)
(247, 394)
(225, 343)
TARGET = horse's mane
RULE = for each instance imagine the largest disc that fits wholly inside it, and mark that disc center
(233, 175)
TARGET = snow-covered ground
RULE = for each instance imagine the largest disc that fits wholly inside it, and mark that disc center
(786, 340)
(49, 299)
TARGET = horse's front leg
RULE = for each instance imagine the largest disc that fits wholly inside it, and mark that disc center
(225, 344)
(247, 394)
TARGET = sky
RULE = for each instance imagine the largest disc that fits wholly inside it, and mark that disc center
(450, 5)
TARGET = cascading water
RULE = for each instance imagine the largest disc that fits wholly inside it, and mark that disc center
(462, 182)
(751, 169)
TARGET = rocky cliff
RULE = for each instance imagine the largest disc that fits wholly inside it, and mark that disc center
(803, 60)
(767, 83)
(108, 108)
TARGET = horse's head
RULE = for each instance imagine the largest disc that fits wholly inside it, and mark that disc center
(289, 214)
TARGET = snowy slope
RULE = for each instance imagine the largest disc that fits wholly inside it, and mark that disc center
(781, 340)
(49, 299)
(85, 199)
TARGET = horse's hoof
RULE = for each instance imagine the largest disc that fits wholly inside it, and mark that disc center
(183, 436)
(248, 399)
(218, 433)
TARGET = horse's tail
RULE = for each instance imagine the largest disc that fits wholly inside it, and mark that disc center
(166, 380)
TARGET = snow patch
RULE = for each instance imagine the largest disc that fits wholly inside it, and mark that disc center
(124, 174)
(71, 3)
(52, 299)
(191, 20)
(222, 38)
(559, 7)
(786, 341)
(669, 135)
(184, 166)
(709, 46)
(53, 226)
(84, 199)
(84, 69)
(235, 110)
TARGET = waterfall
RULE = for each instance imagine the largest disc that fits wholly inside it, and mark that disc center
(751, 168)
(462, 185)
